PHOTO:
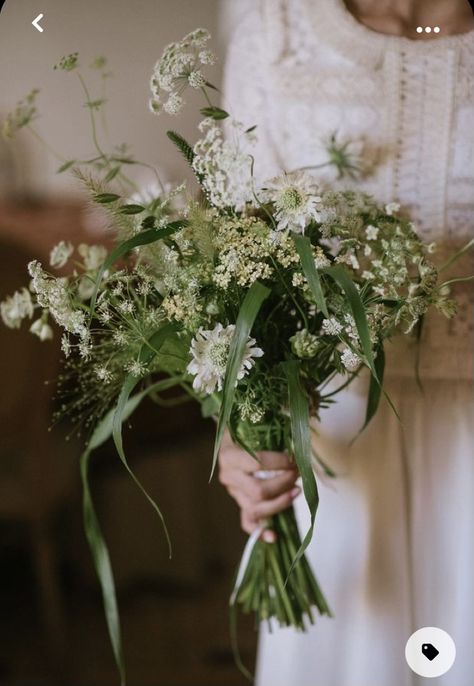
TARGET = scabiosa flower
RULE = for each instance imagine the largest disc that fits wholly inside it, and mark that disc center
(60, 254)
(295, 198)
(210, 352)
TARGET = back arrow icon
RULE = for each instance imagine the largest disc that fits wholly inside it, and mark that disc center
(36, 22)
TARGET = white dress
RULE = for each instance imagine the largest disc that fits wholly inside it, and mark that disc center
(394, 539)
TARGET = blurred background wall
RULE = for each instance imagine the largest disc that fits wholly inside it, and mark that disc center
(174, 613)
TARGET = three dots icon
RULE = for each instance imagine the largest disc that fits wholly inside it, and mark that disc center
(427, 29)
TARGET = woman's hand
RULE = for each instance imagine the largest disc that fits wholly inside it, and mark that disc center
(257, 498)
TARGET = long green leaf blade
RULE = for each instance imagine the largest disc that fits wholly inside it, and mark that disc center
(301, 436)
(249, 309)
(102, 566)
(148, 350)
(375, 386)
(342, 278)
(303, 246)
(98, 547)
(142, 238)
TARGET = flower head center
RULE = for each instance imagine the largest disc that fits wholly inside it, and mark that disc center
(290, 199)
(218, 354)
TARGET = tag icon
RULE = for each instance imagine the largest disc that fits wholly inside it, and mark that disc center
(430, 652)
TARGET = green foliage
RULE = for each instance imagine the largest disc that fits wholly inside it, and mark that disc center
(182, 145)
(214, 113)
(249, 309)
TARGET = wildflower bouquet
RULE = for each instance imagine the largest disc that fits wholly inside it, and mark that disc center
(250, 299)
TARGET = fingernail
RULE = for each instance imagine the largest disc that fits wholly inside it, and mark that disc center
(269, 536)
(295, 491)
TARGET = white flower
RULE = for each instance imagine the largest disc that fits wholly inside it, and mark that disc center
(350, 360)
(372, 232)
(178, 67)
(93, 256)
(210, 352)
(65, 345)
(136, 368)
(321, 261)
(155, 106)
(60, 254)
(41, 329)
(392, 208)
(223, 164)
(85, 288)
(103, 374)
(196, 79)
(207, 57)
(15, 308)
(331, 327)
(295, 198)
(174, 104)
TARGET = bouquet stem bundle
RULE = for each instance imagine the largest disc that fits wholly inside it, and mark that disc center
(250, 301)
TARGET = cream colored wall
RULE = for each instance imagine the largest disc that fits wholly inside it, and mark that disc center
(132, 35)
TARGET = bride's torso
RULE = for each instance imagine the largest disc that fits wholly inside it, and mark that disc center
(303, 70)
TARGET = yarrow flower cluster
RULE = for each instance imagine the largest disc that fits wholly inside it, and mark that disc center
(180, 66)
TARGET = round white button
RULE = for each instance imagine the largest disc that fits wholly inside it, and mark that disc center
(430, 652)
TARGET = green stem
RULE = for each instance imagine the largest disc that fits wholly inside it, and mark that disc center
(48, 147)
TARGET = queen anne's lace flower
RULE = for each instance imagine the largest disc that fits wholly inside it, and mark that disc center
(210, 352)
(331, 327)
(295, 198)
(179, 67)
(224, 167)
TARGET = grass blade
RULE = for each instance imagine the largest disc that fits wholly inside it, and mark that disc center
(342, 278)
(300, 431)
(249, 309)
(303, 246)
(148, 351)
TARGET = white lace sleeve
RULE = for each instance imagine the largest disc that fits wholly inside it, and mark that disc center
(245, 96)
